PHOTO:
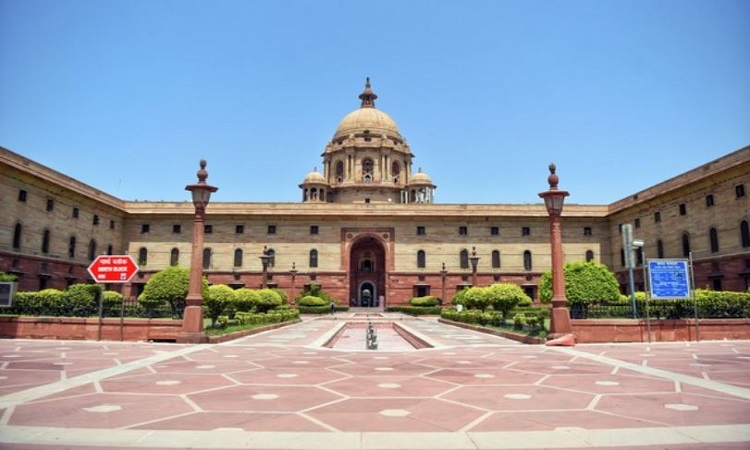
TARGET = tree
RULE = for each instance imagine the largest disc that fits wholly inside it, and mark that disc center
(585, 282)
(503, 297)
(169, 286)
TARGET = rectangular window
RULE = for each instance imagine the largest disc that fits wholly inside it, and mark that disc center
(145, 228)
(463, 231)
(272, 229)
(709, 200)
(421, 231)
(525, 231)
(739, 190)
(619, 228)
(637, 223)
(683, 209)
(495, 231)
(177, 228)
(95, 219)
(21, 195)
(208, 229)
(75, 213)
(111, 224)
(587, 231)
(657, 217)
(50, 205)
(314, 229)
(239, 229)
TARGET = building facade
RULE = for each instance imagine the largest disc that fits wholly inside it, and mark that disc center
(368, 229)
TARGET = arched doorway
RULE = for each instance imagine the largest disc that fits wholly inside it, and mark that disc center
(367, 273)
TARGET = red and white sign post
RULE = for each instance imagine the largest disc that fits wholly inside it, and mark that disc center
(113, 268)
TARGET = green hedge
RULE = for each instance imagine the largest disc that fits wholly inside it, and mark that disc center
(320, 309)
(710, 305)
(428, 300)
(79, 300)
(311, 300)
(522, 318)
(416, 310)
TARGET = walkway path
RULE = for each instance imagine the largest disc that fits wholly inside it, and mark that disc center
(282, 390)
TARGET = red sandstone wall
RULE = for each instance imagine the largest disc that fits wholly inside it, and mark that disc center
(79, 328)
(593, 331)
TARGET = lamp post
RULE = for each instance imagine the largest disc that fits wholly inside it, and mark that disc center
(474, 260)
(553, 200)
(293, 273)
(192, 321)
(265, 258)
(443, 273)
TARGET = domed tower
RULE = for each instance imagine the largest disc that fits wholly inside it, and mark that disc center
(421, 189)
(367, 161)
(314, 187)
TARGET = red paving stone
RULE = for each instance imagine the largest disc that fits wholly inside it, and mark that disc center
(279, 385)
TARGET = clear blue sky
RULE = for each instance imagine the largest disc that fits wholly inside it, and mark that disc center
(128, 96)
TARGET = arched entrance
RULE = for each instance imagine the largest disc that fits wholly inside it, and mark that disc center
(367, 273)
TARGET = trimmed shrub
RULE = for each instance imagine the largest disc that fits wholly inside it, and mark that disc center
(585, 283)
(42, 303)
(282, 296)
(269, 299)
(428, 300)
(112, 303)
(7, 277)
(80, 300)
(722, 303)
(245, 300)
(311, 300)
(220, 296)
(314, 290)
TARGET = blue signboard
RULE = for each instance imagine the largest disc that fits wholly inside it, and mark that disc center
(669, 278)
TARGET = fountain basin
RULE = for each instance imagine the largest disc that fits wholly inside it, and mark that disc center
(391, 336)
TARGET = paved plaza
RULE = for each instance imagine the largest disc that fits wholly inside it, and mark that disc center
(282, 389)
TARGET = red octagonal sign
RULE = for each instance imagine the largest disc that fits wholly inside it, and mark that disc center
(113, 268)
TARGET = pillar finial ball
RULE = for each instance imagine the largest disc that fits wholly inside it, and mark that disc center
(553, 179)
(202, 173)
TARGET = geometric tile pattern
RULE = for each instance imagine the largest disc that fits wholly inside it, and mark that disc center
(281, 389)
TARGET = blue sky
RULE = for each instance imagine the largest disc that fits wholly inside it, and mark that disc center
(128, 96)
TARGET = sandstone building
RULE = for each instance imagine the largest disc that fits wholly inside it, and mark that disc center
(370, 223)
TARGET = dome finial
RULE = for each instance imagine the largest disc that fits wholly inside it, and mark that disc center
(367, 96)
(553, 179)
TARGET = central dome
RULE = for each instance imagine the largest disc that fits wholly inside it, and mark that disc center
(367, 119)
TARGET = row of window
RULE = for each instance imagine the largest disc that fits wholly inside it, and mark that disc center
(713, 241)
(315, 229)
(495, 231)
(208, 229)
(464, 259)
(75, 212)
(174, 258)
(46, 238)
(739, 192)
